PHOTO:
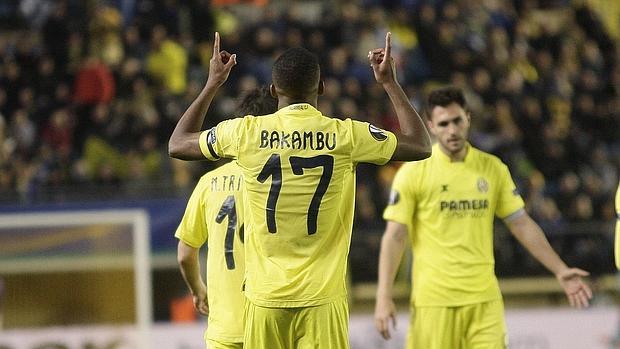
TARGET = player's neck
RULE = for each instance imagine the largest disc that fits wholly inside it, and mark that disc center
(284, 101)
(458, 156)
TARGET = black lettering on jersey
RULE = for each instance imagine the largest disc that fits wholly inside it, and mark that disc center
(308, 136)
(228, 183)
(264, 139)
(464, 205)
(320, 141)
(333, 146)
(314, 140)
(284, 140)
(467, 205)
(231, 183)
(275, 138)
(296, 140)
(377, 133)
(298, 107)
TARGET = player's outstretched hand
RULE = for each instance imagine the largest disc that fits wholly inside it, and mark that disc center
(201, 303)
(385, 312)
(382, 62)
(576, 289)
(220, 64)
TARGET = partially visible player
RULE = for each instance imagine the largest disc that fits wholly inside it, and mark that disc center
(214, 216)
(299, 172)
(447, 204)
(617, 245)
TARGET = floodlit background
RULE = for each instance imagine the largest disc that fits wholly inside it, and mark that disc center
(90, 91)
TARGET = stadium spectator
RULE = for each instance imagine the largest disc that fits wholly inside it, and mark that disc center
(167, 62)
(94, 83)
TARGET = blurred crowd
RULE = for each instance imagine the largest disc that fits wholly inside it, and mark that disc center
(91, 90)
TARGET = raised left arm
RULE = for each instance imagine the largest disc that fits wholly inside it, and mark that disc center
(531, 236)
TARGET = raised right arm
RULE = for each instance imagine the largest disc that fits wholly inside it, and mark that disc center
(413, 141)
(184, 141)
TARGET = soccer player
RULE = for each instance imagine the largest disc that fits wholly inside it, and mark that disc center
(617, 244)
(299, 174)
(447, 204)
(214, 215)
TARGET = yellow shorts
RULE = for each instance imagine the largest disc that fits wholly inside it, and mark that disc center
(476, 326)
(212, 344)
(319, 327)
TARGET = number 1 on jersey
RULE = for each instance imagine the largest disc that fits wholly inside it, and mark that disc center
(229, 209)
(273, 168)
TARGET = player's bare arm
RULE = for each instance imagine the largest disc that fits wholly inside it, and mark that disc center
(184, 141)
(187, 257)
(392, 248)
(414, 142)
(531, 236)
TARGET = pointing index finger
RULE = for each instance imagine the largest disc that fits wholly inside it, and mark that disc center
(216, 44)
(388, 44)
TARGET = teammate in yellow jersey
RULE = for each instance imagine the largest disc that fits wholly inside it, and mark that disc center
(299, 175)
(214, 215)
(447, 204)
(617, 244)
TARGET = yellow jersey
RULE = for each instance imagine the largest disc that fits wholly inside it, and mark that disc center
(617, 248)
(449, 209)
(214, 215)
(299, 171)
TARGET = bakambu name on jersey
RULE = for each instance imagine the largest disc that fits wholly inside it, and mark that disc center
(464, 205)
(315, 140)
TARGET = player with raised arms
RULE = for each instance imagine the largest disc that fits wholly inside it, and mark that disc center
(299, 175)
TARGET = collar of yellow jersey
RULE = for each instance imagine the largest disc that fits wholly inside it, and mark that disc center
(302, 109)
(445, 158)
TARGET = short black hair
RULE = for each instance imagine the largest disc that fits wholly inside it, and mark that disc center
(443, 97)
(258, 101)
(296, 72)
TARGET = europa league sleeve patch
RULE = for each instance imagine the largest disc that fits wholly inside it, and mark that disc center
(394, 197)
(211, 139)
(377, 133)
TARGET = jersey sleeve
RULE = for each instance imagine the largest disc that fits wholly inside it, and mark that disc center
(221, 141)
(193, 228)
(509, 200)
(401, 204)
(371, 144)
